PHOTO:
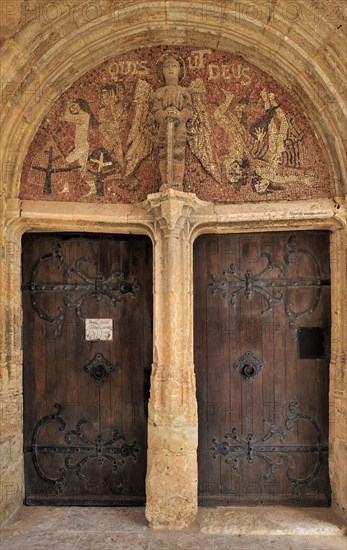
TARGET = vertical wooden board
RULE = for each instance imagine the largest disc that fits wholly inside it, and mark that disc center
(209, 405)
(200, 350)
(274, 359)
(317, 368)
(248, 327)
(236, 349)
(127, 368)
(132, 370)
(226, 250)
(214, 365)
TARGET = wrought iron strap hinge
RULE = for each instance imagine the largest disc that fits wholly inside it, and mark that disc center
(273, 290)
(100, 450)
(251, 448)
(113, 288)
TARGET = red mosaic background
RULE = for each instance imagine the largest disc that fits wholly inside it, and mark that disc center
(300, 171)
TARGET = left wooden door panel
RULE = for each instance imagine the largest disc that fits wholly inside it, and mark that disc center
(87, 346)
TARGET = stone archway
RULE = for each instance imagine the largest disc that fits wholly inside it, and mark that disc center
(49, 52)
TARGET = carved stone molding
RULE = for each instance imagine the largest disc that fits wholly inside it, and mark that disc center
(171, 210)
(338, 369)
(171, 393)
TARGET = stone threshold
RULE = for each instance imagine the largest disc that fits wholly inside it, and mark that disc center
(109, 528)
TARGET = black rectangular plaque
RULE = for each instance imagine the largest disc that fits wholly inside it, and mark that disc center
(311, 342)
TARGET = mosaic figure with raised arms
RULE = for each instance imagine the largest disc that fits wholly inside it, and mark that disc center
(255, 153)
(79, 113)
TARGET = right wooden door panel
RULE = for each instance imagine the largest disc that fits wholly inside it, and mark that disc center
(262, 306)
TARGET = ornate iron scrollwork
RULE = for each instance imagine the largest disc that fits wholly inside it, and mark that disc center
(252, 448)
(114, 287)
(98, 450)
(249, 366)
(273, 290)
(99, 368)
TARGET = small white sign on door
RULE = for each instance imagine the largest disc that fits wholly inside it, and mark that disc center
(99, 329)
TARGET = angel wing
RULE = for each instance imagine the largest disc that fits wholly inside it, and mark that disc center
(199, 130)
(141, 135)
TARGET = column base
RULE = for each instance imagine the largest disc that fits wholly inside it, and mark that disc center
(170, 512)
(171, 501)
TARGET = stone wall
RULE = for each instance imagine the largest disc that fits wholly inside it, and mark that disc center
(54, 44)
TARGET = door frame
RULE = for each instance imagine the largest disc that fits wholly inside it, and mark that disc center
(162, 217)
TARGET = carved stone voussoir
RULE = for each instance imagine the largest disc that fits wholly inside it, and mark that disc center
(171, 210)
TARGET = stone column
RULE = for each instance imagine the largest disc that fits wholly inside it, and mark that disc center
(338, 372)
(11, 407)
(171, 483)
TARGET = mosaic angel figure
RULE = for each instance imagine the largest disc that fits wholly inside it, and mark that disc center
(166, 120)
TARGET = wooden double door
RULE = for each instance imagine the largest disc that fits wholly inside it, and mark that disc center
(87, 343)
(262, 318)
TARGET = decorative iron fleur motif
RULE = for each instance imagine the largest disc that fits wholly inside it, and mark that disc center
(251, 448)
(249, 366)
(98, 450)
(113, 288)
(248, 283)
(99, 368)
(273, 290)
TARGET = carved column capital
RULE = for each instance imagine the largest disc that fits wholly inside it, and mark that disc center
(171, 210)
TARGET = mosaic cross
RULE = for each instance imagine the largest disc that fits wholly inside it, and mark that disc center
(100, 174)
(49, 170)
